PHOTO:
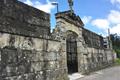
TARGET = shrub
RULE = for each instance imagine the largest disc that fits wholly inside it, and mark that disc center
(117, 61)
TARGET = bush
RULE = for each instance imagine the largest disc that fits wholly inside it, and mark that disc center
(117, 61)
(118, 52)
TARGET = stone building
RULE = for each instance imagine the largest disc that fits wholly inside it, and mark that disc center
(28, 51)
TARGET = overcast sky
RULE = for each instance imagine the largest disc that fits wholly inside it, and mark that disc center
(97, 15)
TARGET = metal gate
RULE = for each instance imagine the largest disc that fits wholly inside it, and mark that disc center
(72, 62)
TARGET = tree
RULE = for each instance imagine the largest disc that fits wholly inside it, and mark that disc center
(116, 43)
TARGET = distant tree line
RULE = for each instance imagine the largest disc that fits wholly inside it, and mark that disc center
(116, 43)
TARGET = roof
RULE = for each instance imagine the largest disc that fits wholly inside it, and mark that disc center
(71, 18)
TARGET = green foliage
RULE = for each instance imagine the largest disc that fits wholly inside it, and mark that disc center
(117, 51)
(117, 61)
(116, 43)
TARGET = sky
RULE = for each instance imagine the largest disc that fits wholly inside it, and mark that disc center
(97, 15)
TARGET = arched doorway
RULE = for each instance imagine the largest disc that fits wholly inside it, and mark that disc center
(72, 60)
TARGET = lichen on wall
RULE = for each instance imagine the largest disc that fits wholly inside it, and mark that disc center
(27, 49)
(26, 58)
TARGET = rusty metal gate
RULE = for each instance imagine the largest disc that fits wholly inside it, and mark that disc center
(72, 62)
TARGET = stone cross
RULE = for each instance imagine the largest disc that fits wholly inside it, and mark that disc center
(71, 5)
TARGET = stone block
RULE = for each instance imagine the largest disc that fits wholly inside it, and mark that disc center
(63, 47)
(38, 56)
(24, 56)
(24, 68)
(4, 40)
(8, 70)
(24, 42)
(53, 46)
(38, 66)
(38, 44)
(52, 65)
(9, 56)
(50, 56)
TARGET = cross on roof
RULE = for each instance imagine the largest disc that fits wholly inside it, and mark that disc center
(71, 5)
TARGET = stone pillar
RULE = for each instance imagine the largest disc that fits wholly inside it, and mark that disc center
(80, 56)
(64, 59)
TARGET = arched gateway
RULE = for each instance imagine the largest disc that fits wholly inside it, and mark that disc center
(72, 60)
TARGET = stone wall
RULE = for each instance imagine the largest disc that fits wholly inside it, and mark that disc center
(19, 18)
(27, 49)
(27, 58)
(97, 58)
(92, 39)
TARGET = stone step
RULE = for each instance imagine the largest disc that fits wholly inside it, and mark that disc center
(75, 76)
